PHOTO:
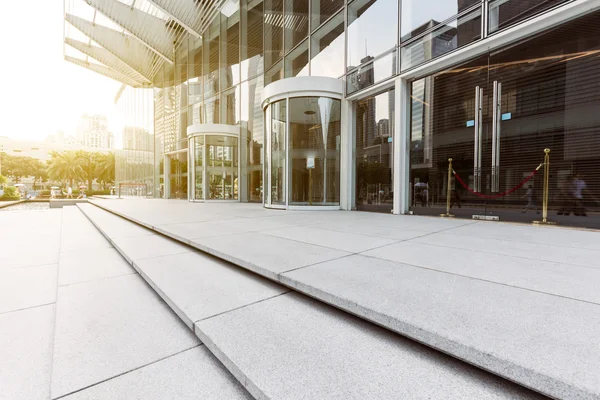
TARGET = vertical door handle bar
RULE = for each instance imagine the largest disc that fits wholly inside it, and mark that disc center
(498, 129)
(476, 132)
(494, 131)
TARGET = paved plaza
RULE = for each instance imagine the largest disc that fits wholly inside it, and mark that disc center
(184, 300)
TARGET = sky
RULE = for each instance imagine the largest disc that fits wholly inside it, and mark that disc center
(41, 93)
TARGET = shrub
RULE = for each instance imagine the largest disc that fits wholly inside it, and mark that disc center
(10, 193)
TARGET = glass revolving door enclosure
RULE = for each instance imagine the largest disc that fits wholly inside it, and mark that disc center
(214, 158)
(302, 143)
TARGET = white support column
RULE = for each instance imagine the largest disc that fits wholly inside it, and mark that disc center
(346, 162)
(401, 147)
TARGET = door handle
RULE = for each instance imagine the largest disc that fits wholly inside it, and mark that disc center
(477, 139)
(496, 126)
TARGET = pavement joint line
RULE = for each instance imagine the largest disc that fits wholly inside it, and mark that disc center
(98, 279)
(478, 279)
(508, 255)
(29, 266)
(315, 264)
(126, 372)
(27, 308)
(244, 306)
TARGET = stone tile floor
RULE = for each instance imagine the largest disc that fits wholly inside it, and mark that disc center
(518, 300)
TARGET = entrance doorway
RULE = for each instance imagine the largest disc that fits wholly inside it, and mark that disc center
(177, 165)
(374, 157)
(495, 115)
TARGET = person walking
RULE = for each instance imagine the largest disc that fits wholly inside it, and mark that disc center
(530, 200)
(69, 192)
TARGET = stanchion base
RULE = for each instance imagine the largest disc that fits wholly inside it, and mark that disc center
(544, 223)
(447, 215)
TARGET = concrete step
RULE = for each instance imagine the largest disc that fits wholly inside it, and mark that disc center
(281, 344)
(114, 336)
(519, 301)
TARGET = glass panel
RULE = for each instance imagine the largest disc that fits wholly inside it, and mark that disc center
(327, 48)
(296, 63)
(503, 13)
(446, 38)
(199, 167)
(278, 158)
(372, 29)
(211, 111)
(231, 106)
(372, 73)
(274, 74)
(221, 167)
(252, 43)
(178, 175)
(314, 151)
(322, 10)
(211, 60)
(273, 31)
(195, 58)
(252, 126)
(375, 153)
(230, 44)
(296, 17)
(419, 16)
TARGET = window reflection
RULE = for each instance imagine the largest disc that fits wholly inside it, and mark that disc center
(296, 22)
(372, 29)
(277, 127)
(230, 39)
(252, 45)
(419, 16)
(372, 73)
(274, 74)
(327, 48)
(446, 38)
(323, 10)
(211, 60)
(252, 125)
(296, 63)
(503, 13)
(273, 31)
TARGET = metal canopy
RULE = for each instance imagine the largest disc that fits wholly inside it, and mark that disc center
(104, 70)
(132, 39)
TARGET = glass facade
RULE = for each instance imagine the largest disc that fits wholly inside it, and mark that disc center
(286, 155)
(495, 115)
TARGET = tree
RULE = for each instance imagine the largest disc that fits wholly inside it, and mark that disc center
(38, 170)
(88, 162)
(105, 169)
(64, 166)
(17, 167)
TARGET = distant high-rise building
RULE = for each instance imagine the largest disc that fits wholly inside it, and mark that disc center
(137, 138)
(92, 132)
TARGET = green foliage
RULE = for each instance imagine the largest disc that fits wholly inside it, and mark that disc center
(10, 193)
(18, 167)
(3, 180)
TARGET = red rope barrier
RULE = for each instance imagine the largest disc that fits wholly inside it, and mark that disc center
(495, 196)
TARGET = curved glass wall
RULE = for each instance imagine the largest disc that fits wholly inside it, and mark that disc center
(302, 139)
(216, 167)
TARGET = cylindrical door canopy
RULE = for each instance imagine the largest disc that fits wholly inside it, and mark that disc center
(302, 143)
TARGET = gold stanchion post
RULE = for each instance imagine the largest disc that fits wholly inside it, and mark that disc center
(546, 190)
(449, 192)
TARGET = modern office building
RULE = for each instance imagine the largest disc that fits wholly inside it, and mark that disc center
(359, 105)
(92, 132)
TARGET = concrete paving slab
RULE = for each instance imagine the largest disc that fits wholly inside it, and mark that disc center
(35, 250)
(190, 375)
(297, 348)
(545, 342)
(549, 277)
(265, 254)
(350, 242)
(149, 246)
(199, 286)
(536, 251)
(547, 235)
(108, 327)
(185, 231)
(75, 267)
(112, 224)
(26, 353)
(27, 287)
